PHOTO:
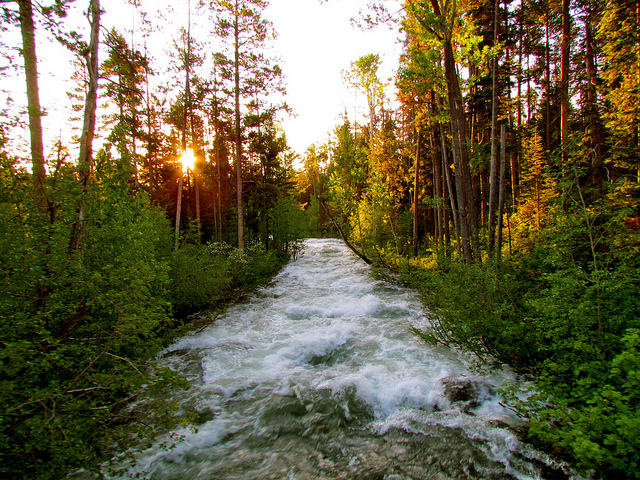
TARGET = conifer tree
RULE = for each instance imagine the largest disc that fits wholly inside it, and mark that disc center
(241, 24)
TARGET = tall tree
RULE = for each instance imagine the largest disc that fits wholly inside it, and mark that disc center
(493, 181)
(240, 22)
(91, 103)
(620, 35)
(126, 70)
(33, 97)
(564, 82)
(439, 21)
(363, 76)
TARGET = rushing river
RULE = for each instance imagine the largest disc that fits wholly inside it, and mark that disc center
(318, 377)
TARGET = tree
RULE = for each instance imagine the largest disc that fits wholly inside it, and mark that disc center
(493, 182)
(240, 23)
(126, 71)
(33, 97)
(363, 76)
(564, 83)
(91, 58)
(619, 33)
(439, 21)
(219, 115)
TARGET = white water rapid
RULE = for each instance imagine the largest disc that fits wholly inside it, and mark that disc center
(318, 377)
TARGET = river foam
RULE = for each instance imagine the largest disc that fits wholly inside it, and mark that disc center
(318, 376)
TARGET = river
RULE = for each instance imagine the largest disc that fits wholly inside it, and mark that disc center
(317, 376)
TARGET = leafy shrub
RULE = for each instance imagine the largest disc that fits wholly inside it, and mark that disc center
(81, 310)
(564, 308)
(204, 275)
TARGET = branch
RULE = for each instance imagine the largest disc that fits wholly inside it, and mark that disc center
(344, 239)
(85, 390)
(126, 360)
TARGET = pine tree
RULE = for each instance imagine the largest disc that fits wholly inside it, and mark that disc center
(246, 32)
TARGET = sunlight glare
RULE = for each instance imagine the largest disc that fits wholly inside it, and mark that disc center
(188, 159)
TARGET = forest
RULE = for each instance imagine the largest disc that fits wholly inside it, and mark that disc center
(502, 183)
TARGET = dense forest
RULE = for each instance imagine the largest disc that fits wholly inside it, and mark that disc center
(503, 184)
(505, 188)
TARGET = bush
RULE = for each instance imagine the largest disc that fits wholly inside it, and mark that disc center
(206, 275)
(564, 309)
(81, 310)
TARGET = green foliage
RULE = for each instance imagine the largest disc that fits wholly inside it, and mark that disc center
(600, 425)
(475, 307)
(85, 304)
(81, 308)
(203, 276)
(564, 309)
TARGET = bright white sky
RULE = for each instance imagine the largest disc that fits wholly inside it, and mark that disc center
(316, 42)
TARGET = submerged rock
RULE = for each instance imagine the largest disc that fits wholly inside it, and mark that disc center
(469, 391)
(460, 389)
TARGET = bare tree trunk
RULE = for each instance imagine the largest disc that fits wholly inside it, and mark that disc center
(178, 211)
(437, 185)
(548, 87)
(237, 129)
(197, 186)
(416, 196)
(564, 84)
(91, 104)
(344, 238)
(195, 176)
(493, 178)
(503, 164)
(33, 98)
(596, 137)
(464, 188)
(464, 184)
(88, 127)
(454, 211)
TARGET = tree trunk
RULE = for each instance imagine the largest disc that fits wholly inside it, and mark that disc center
(219, 171)
(91, 104)
(516, 159)
(596, 137)
(33, 98)
(236, 31)
(416, 196)
(437, 186)
(89, 123)
(564, 84)
(454, 211)
(178, 211)
(493, 178)
(195, 176)
(548, 87)
(197, 187)
(503, 164)
(464, 187)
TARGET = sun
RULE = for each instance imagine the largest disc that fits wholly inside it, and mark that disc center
(188, 159)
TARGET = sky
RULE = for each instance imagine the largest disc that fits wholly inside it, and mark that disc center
(316, 43)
